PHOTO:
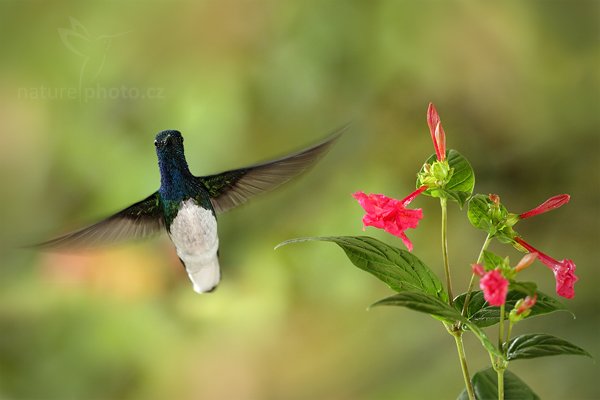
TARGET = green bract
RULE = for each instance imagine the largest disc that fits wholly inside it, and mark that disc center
(485, 214)
(453, 178)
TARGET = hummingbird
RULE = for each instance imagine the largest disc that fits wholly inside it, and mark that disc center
(186, 206)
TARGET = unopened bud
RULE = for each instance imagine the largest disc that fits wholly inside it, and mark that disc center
(526, 261)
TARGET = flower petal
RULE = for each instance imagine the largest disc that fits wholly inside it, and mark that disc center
(564, 272)
(390, 214)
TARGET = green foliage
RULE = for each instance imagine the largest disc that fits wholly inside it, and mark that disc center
(425, 303)
(541, 345)
(461, 183)
(485, 384)
(492, 261)
(422, 302)
(482, 314)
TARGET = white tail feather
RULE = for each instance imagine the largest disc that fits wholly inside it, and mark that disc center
(205, 274)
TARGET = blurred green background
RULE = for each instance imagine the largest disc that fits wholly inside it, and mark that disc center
(84, 87)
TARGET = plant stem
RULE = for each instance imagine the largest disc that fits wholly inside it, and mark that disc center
(500, 370)
(443, 204)
(463, 364)
(457, 333)
(501, 329)
(510, 325)
(500, 373)
(487, 242)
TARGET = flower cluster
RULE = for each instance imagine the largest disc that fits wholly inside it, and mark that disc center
(392, 215)
(503, 300)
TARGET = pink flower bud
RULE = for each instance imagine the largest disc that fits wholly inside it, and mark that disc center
(548, 205)
(478, 269)
(526, 261)
(438, 136)
(526, 304)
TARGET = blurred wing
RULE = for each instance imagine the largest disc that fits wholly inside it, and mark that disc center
(137, 221)
(233, 188)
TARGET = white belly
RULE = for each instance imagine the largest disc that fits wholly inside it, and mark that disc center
(194, 233)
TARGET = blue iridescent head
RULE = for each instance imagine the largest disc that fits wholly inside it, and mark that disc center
(171, 162)
(168, 140)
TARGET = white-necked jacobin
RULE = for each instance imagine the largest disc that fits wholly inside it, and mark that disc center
(187, 205)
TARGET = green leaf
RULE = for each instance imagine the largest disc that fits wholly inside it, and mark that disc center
(398, 268)
(527, 288)
(422, 302)
(431, 305)
(478, 213)
(460, 186)
(492, 261)
(485, 385)
(541, 345)
(482, 314)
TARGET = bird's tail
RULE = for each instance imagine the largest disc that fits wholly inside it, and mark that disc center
(205, 273)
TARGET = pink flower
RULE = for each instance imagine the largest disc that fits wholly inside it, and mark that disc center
(390, 214)
(549, 205)
(495, 287)
(437, 132)
(564, 271)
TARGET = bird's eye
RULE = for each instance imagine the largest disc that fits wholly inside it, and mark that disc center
(156, 143)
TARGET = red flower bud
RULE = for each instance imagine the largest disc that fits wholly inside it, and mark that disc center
(438, 136)
(478, 269)
(526, 304)
(526, 261)
(548, 205)
(494, 198)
